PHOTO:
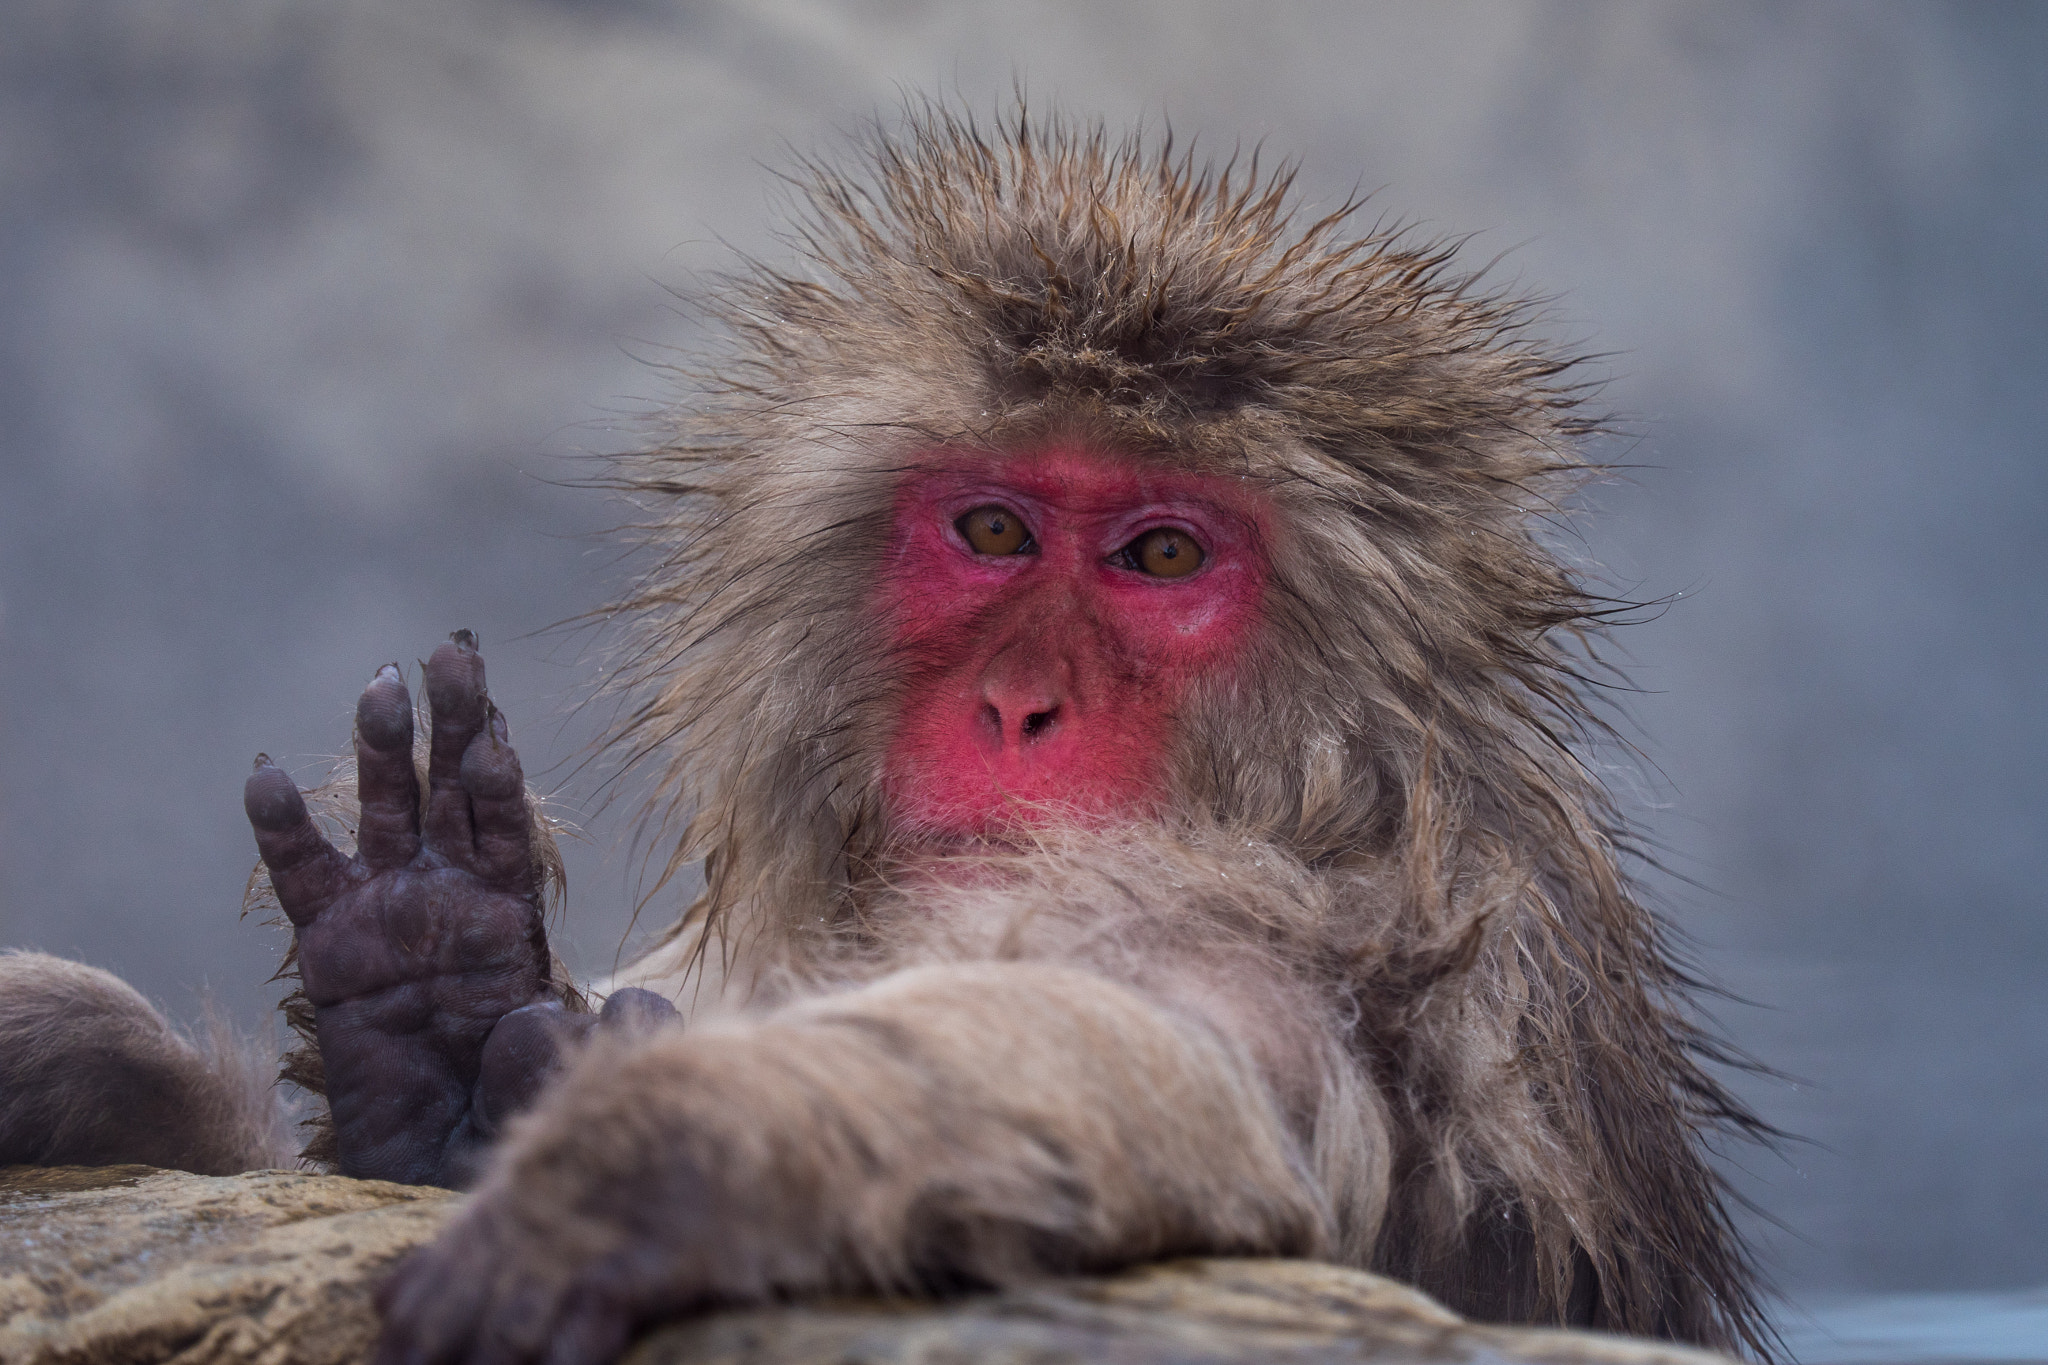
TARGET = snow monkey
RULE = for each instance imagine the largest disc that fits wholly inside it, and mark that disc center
(1098, 648)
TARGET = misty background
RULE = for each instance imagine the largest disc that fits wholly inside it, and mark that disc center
(308, 310)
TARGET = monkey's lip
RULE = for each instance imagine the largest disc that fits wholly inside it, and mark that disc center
(1017, 827)
(921, 842)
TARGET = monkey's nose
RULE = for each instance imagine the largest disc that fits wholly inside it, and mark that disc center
(1020, 721)
(1024, 692)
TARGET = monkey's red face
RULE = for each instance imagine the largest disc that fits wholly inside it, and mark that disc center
(1052, 611)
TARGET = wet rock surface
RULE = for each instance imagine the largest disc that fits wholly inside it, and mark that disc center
(1197, 1312)
(126, 1263)
(120, 1264)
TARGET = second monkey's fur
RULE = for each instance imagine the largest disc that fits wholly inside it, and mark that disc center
(1504, 1100)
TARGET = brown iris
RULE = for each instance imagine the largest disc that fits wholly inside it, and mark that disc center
(994, 530)
(1165, 553)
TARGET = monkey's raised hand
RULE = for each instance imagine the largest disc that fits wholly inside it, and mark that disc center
(414, 950)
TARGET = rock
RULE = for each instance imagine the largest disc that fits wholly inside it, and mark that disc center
(1213, 1312)
(117, 1264)
(120, 1265)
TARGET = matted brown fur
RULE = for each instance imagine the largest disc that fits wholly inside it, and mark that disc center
(1403, 735)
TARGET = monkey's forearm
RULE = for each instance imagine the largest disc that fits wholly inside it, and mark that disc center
(955, 1124)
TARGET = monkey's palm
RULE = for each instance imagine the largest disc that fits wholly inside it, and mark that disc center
(412, 951)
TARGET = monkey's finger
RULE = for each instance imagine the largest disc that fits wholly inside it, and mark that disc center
(525, 1049)
(515, 1327)
(456, 697)
(430, 1306)
(503, 849)
(305, 870)
(592, 1331)
(388, 834)
(632, 1010)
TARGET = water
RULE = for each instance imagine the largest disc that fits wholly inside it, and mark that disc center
(1920, 1329)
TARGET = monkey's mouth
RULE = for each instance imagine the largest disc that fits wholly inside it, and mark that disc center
(1008, 824)
(946, 780)
(1002, 851)
(942, 798)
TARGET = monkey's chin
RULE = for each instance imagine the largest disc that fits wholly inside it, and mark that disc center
(1011, 825)
(919, 862)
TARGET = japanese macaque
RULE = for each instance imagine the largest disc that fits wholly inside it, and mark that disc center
(1099, 652)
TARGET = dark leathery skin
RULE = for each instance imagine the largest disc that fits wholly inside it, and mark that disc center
(414, 949)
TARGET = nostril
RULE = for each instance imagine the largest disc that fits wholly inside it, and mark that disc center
(1038, 723)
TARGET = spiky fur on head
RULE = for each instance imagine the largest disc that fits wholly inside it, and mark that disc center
(1403, 729)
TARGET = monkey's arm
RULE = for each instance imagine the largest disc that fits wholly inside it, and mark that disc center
(949, 1125)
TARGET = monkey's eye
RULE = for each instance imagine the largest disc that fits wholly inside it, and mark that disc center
(994, 530)
(1164, 553)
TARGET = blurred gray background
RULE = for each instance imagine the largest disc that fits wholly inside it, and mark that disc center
(306, 310)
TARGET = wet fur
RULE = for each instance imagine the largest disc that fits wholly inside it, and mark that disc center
(92, 1074)
(1400, 752)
